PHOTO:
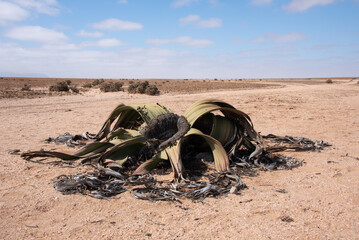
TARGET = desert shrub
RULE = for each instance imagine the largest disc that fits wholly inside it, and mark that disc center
(97, 82)
(68, 82)
(143, 88)
(26, 87)
(59, 87)
(87, 85)
(74, 89)
(132, 87)
(111, 87)
(329, 81)
(152, 90)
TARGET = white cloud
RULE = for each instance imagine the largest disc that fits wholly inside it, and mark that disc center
(122, 1)
(35, 34)
(181, 3)
(117, 24)
(261, 2)
(84, 33)
(106, 42)
(184, 40)
(303, 5)
(162, 63)
(11, 12)
(210, 23)
(50, 7)
(280, 38)
(201, 23)
(189, 19)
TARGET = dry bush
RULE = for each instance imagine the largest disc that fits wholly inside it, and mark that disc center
(111, 87)
(87, 85)
(74, 89)
(329, 81)
(143, 88)
(94, 83)
(26, 87)
(60, 87)
(152, 90)
(97, 82)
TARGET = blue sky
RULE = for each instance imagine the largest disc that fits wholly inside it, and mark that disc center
(179, 38)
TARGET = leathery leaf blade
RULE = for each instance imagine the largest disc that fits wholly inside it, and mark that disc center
(127, 114)
(126, 148)
(223, 130)
(174, 156)
(149, 111)
(150, 164)
(93, 148)
(220, 156)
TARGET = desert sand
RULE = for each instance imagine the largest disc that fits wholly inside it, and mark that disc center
(321, 197)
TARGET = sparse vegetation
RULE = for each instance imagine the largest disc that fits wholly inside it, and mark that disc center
(152, 90)
(60, 87)
(87, 85)
(64, 86)
(143, 88)
(26, 87)
(97, 82)
(329, 81)
(94, 83)
(74, 89)
(111, 87)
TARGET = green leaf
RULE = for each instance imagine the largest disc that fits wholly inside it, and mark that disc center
(126, 148)
(240, 119)
(131, 117)
(93, 148)
(150, 164)
(174, 156)
(220, 156)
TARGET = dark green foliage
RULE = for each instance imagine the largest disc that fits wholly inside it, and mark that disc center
(26, 87)
(143, 88)
(59, 87)
(111, 87)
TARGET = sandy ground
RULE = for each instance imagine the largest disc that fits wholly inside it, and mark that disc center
(322, 196)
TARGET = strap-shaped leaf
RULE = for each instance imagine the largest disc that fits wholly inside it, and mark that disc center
(126, 148)
(239, 118)
(220, 156)
(174, 156)
(150, 164)
(128, 115)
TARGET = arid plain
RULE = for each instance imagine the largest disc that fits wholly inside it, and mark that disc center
(321, 197)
